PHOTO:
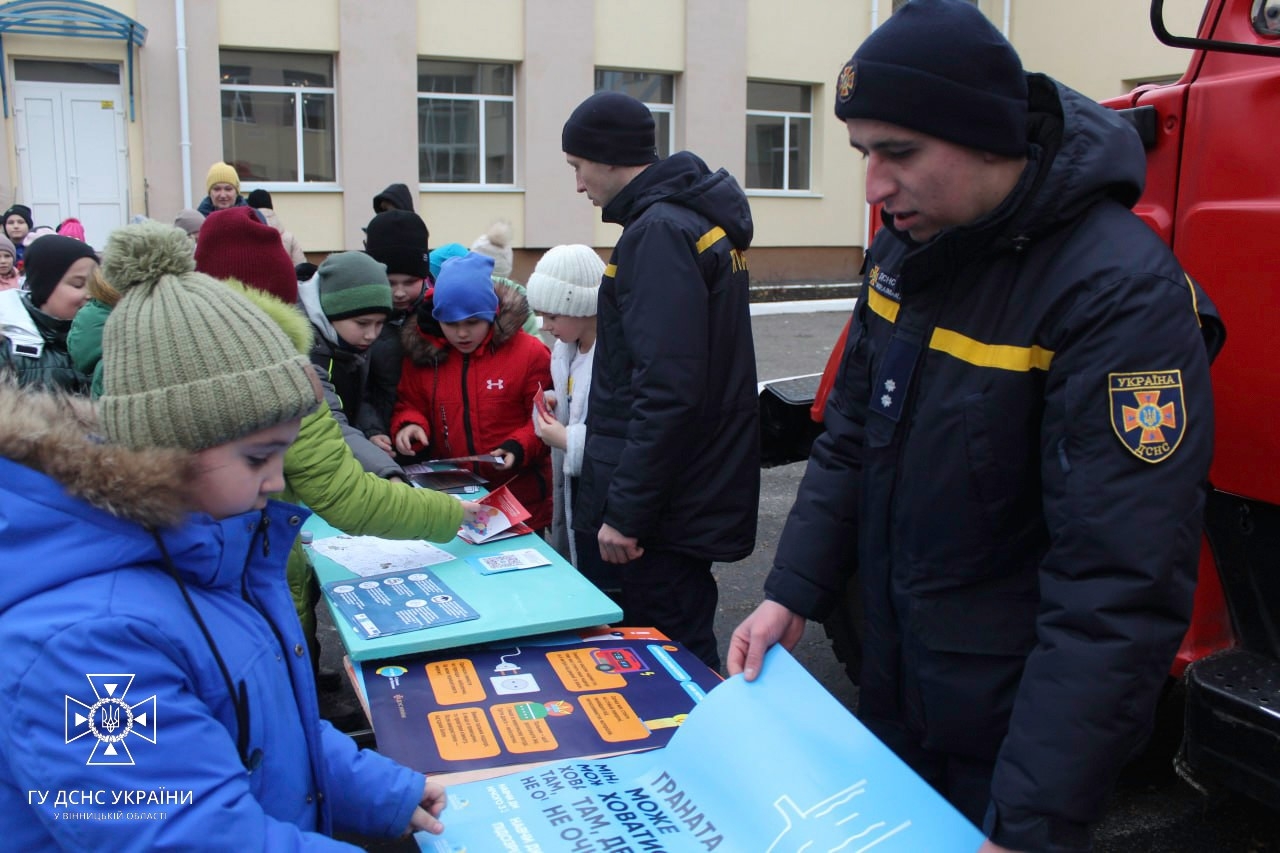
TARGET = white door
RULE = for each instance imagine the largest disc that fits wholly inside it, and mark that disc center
(73, 155)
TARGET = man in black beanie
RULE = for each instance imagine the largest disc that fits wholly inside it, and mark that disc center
(398, 239)
(1017, 442)
(671, 472)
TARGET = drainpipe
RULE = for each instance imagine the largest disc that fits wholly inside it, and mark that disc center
(1004, 24)
(184, 106)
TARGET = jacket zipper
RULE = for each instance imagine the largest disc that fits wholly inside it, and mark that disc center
(466, 407)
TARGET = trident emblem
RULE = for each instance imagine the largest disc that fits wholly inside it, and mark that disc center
(110, 719)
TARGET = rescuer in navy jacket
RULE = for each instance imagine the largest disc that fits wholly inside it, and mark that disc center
(1018, 441)
(671, 468)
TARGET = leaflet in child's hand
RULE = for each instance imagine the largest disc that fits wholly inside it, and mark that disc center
(503, 517)
(540, 403)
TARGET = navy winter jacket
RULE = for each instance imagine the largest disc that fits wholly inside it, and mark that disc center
(1014, 463)
(672, 452)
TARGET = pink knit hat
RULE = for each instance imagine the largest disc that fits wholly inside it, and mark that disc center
(72, 228)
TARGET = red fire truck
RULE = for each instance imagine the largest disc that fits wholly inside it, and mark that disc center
(1213, 194)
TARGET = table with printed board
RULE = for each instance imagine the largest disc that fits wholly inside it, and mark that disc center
(554, 597)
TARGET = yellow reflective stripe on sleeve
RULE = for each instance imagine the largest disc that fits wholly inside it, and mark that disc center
(882, 305)
(706, 241)
(1195, 300)
(1000, 356)
(611, 270)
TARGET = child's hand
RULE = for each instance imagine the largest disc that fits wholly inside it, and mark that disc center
(425, 814)
(549, 397)
(471, 513)
(410, 439)
(383, 443)
(550, 430)
(508, 459)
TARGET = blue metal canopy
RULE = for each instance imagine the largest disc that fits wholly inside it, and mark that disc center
(69, 19)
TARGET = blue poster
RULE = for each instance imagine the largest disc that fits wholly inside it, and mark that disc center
(395, 602)
(777, 765)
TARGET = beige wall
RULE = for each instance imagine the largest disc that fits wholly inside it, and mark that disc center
(711, 46)
(474, 29)
(648, 35)
(711, 91)
(279, 24)
(203, 68)
(830, 214)
(377, 103)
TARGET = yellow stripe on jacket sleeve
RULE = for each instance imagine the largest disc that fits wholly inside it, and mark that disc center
(1195, 300)
(706, 241)
(611, 270)
(999, 356)
(882, 305)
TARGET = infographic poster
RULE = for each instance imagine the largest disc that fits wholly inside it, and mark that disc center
(534, 699)
(776, 765)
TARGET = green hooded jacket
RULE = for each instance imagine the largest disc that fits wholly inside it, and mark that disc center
(321, 473)
(319, 470)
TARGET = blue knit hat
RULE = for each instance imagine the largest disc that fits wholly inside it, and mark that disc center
(464, 289)
(939, 67)
(442, 254)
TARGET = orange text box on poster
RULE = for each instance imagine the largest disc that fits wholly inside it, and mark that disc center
(455, 682)
(578, 671)
(463, 734)
(613, 717)
(519, 733)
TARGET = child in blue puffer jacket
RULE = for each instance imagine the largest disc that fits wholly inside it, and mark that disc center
(160, 691)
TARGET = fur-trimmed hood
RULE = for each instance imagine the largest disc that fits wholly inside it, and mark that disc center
(426, 350)
(55, 434)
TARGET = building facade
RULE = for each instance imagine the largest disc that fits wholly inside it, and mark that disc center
(118, 109)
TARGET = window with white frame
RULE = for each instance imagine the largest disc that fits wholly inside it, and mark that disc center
(466, 122)
(779, 124)
(656, 91)
(278, 116)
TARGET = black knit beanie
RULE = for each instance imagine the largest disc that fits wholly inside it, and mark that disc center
(939, 67)
(259, 199)
(611, 128)
(398, 238)
(47, 261)
(18, 210)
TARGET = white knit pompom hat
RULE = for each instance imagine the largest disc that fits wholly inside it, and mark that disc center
(566, 281)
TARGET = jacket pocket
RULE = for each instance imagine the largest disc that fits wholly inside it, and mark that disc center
(965, 658)
(599, 461)
(969, 497)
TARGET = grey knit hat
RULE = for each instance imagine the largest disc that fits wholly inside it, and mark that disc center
(187, 362)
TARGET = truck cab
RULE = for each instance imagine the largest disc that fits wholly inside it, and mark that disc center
(1213, 194)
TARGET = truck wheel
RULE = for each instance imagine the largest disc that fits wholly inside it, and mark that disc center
(844, 629)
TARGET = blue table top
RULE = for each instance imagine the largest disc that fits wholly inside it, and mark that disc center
(510, 604)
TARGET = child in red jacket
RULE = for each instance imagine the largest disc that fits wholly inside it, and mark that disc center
(468, 382)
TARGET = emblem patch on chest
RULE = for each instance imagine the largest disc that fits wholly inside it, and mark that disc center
(1147, 412)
